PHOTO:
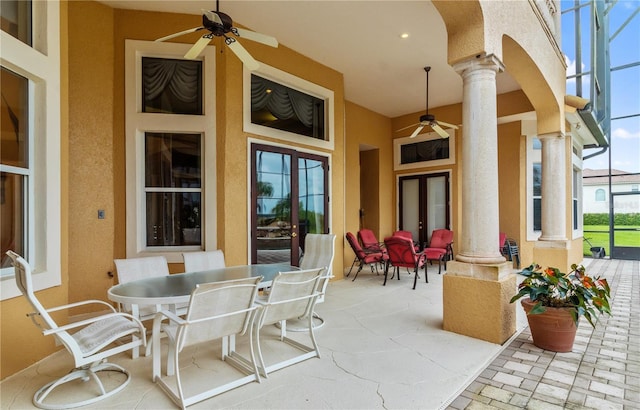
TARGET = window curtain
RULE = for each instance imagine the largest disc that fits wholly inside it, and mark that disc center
(181, 79)
(283, 102)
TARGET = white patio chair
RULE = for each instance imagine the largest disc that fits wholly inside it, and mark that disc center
(90, 345)
(318, 253)
(203, 260)
(217, 310)
(141, 268)
(292, 296)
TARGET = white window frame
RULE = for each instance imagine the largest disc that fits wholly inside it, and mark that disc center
(40, 64)
(427, 136)
(138, 122)
(291, 81)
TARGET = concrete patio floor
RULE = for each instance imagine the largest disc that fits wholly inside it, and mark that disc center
(382, 348)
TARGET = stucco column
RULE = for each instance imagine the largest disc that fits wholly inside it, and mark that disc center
(553, 187)
(479, 276)
(478, 239)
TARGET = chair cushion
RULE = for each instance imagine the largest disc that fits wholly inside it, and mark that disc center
(102, 333)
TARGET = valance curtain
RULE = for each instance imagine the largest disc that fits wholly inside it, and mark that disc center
(181, 79)
(283, 102)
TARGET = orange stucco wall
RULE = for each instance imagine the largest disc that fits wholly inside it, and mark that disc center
(365, 127)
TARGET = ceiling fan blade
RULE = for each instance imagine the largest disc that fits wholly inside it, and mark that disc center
(408, 126)
(212, 16)
(170, 36)
(243, 55)
(417, 131)
(439, 130)
(257, 37)
(446, 125)
(198, 47)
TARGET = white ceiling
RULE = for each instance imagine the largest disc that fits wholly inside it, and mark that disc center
(360, 39)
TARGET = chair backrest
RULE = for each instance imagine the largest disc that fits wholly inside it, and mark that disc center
(25, 284)
(368, 239)
(502, 239)
(401, 251)
(141, 268)
(219, 309)
(404, 234)
(203, 260)
(319, 251)
(441, 238)
(355, 245)
(292, 296)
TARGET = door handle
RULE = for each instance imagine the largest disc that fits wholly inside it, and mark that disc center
(293, 234)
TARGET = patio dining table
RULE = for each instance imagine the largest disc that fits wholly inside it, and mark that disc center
(176, 289)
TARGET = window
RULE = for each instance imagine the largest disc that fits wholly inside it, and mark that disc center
(16, 19)
(30, 142)
(280, 105)
(173, 188)
(277, 106)
(577, 209)
(425, 150)
(534, 181)
(601, 195)
(14, 157)
(170, 131)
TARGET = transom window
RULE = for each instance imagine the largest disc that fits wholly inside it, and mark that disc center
(424, 151)
(277, 106)
(280, 105)
(171, 86)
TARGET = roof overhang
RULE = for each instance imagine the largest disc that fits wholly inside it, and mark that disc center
(583, 122)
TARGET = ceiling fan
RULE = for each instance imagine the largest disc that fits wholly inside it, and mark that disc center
(430, 120)
(220, 24)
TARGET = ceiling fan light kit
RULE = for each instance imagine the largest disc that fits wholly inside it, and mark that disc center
(220, 24)
(429, 119)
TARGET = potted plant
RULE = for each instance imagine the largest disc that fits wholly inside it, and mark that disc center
(555, 301)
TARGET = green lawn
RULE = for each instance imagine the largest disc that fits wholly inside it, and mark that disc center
(598, 235)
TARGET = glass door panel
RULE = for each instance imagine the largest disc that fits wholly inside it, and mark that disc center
(436, 204)
(273, 207)
(411, 206)
(280, 224)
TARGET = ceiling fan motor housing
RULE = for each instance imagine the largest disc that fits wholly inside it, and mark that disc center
(427, 118)
(216, 28)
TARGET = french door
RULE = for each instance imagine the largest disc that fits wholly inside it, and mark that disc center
(424, 204)
(289, 199)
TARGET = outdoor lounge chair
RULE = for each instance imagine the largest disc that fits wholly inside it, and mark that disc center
(91, 343)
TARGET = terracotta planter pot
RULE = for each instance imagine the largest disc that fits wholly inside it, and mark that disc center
(552, 330)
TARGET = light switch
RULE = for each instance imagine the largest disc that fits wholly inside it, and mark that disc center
(100, 213)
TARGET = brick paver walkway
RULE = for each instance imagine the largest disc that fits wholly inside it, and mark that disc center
(601, 372)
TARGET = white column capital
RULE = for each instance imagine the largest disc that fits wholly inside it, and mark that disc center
(481, 61)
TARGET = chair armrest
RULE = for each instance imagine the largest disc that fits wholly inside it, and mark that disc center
(169, 315)
(86, 322)
(82, 303)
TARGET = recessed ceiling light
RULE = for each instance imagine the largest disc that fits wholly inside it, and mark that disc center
(404, 35)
